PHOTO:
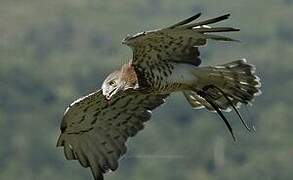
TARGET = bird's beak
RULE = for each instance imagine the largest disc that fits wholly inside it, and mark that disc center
(115, 91)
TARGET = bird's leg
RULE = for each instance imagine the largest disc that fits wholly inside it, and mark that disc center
(209, 99)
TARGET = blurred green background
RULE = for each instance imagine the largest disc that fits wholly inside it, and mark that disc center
(53, 52)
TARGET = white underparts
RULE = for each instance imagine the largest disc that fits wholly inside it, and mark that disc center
(182, 73)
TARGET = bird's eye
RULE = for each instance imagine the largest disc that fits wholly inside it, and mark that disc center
(112, 83)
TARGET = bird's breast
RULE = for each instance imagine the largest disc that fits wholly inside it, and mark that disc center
(166, 78)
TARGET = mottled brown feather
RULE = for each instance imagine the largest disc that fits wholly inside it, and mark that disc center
(94, 130)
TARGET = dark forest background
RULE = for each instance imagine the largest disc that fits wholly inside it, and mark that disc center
(53, 52)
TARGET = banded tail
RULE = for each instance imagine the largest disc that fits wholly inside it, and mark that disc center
(224, 87)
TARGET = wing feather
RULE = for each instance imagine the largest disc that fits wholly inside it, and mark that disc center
(178, 42)
(186, 21)
(209, 21)
(94, 130)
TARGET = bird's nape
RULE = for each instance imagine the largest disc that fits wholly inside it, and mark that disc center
(129, 76)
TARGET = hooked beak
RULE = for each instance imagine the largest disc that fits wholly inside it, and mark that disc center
(115, 91)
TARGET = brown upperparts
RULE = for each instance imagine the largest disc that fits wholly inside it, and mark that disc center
(119, 81)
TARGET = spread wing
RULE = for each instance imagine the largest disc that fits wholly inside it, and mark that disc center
(178, 42)
(94, 130)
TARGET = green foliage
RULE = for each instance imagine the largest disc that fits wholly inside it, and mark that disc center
(52, 52)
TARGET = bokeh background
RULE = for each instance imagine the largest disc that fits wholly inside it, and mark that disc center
(54, 51)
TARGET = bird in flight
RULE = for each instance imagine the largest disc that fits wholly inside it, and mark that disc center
(95, 128)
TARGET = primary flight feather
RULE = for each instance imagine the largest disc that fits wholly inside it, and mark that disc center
(94, 130)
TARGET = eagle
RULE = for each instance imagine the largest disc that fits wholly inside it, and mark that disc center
(95, 128)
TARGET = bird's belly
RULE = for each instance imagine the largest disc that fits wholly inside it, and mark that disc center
(182, 73)
(178, 79)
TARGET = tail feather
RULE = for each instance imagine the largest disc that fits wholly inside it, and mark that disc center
(224, 87)
(236, 79)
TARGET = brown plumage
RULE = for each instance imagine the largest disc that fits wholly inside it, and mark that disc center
(95, 128)
(166, 60)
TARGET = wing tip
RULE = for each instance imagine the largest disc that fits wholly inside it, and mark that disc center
(208, 21)
(97, 174)
(60, 141)
(226, 16)
(185, 21)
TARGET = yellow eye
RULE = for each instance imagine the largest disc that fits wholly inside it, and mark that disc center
(112, 83)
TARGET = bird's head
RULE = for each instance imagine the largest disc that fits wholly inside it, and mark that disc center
(119, 81)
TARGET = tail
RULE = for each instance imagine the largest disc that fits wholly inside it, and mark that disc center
(220, 88)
